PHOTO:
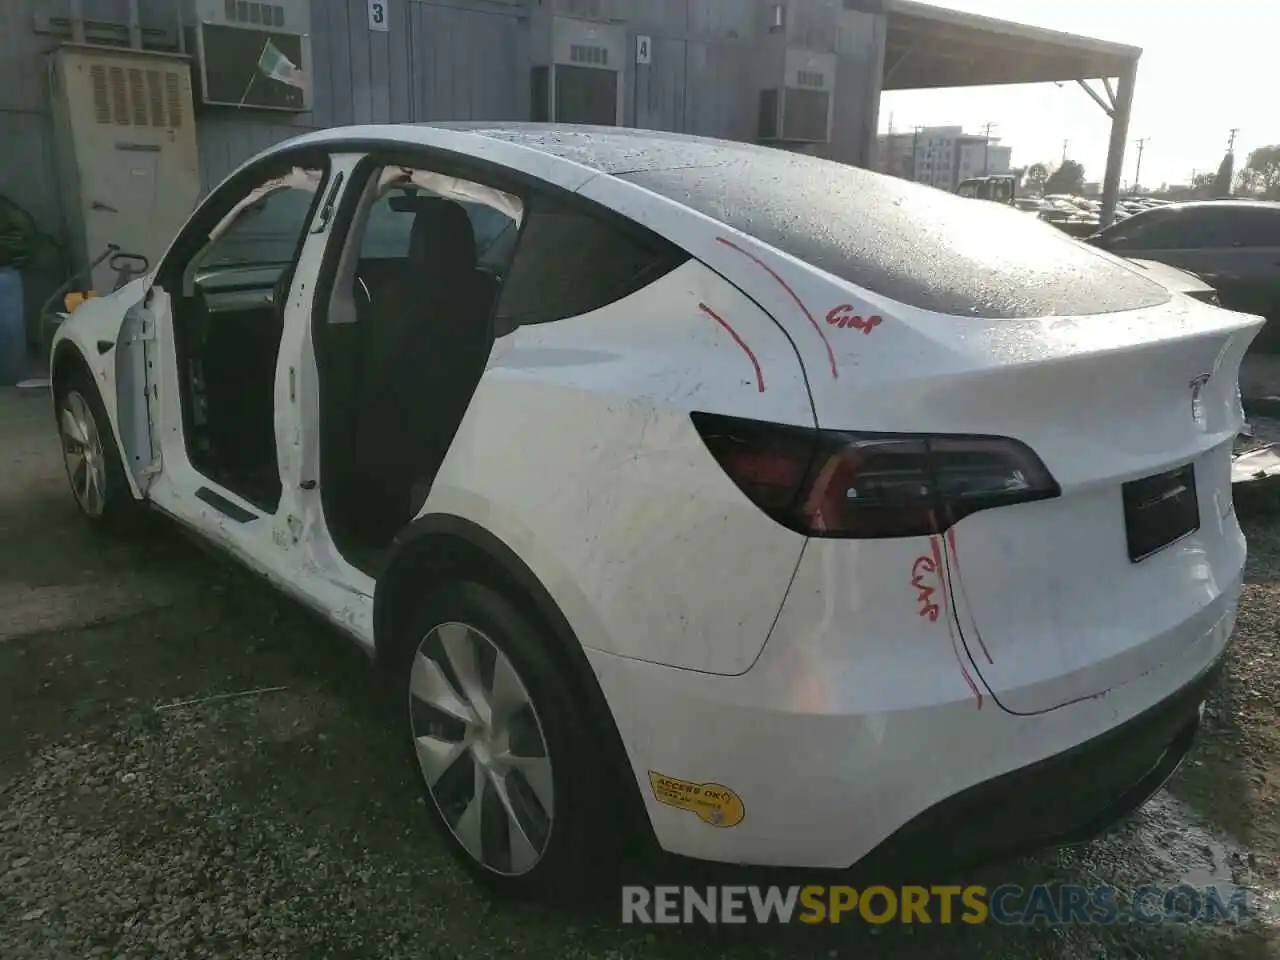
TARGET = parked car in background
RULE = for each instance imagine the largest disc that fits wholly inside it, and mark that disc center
(1069, 217)
(999, 188)
(1234, 245)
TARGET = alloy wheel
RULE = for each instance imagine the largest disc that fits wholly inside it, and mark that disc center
(481, 748)
(82, 453)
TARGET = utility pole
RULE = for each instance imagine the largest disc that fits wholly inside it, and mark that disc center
(986, 149)
(1064, 150)
(915, 153)
(1231, 141)
(1137, 174)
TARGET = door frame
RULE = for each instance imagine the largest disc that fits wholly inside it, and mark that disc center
(333, 585)
(325, 555)
(176, 487)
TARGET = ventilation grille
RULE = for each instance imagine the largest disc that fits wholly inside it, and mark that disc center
(173, 90)
(134, 97)
(155, 97)
(810, 78)
(101, 103)
(258, 14)
(138, 97)
(119, 96)
(595, 56)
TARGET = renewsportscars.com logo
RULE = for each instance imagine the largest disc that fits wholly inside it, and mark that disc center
(1009, 905)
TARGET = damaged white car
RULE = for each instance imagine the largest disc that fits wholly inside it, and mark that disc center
(757, 506)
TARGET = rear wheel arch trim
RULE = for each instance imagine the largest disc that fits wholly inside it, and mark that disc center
(567, 648)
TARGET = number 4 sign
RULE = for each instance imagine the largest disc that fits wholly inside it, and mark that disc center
(378, 15)
(643, 52)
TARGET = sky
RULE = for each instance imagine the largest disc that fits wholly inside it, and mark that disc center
(1206, 66)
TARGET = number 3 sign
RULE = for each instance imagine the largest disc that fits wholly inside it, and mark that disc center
(378, 15)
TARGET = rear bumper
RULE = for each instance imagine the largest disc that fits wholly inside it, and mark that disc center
(848, 747)
(1068, 798)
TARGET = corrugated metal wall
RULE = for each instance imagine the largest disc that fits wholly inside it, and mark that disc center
(702, 59)
(438, 60)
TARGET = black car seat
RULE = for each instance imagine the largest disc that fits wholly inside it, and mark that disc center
(426, 350)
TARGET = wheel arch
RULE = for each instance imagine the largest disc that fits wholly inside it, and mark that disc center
(445, 546)
(67, 358)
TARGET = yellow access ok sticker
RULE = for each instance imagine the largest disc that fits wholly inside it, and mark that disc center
(714, 803)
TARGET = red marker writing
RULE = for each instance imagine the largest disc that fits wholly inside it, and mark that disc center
(844, 317)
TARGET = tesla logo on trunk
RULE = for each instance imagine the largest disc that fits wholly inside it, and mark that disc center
(1197, 400)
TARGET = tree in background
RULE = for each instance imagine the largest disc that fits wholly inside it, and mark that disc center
(1261, 175)
(1226, 174)
(1068, 178)
(1036, 176)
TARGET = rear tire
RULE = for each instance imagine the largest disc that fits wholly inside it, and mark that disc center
(90, 454)
(503, 748)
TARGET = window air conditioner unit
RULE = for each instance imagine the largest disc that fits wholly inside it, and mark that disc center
(798, 110)
(254, 55)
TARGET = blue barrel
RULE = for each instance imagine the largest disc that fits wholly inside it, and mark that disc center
(13, 328)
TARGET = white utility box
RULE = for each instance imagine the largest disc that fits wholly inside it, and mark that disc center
(125, 141)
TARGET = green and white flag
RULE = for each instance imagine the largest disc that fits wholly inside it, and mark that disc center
(277, 66)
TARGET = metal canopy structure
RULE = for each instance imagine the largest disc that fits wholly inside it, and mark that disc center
(930, 47)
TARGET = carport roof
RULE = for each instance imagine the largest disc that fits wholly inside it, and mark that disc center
(930, 47)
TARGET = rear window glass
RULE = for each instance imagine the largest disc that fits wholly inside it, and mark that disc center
(570, 263)
(912, 243)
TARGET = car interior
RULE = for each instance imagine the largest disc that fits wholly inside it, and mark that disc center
(401, 345)
(228, 322)
(401, 341)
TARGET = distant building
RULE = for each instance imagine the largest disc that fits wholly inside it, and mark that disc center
(941, 156)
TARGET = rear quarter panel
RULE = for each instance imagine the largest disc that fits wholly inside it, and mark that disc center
(579, 453)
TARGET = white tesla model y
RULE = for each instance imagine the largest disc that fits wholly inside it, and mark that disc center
(787, 513)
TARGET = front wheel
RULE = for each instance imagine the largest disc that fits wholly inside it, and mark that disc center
(89, 452)
(505, 754)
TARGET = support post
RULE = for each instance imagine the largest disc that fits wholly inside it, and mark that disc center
(1119, 136)
(77, 21)
(135, 26)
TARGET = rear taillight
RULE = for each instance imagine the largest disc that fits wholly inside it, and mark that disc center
(832, 483)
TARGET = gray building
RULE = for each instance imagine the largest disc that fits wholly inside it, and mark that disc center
(699, 66)
(799, 74)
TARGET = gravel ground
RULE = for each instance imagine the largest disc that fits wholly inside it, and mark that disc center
(288, 823)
